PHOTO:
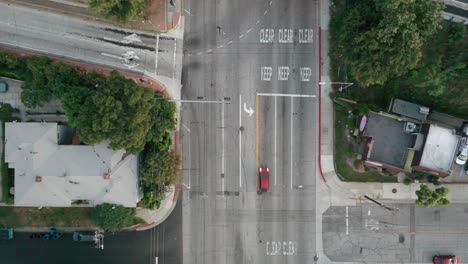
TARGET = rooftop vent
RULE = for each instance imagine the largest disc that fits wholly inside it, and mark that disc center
(409, 127)
(424, 110)
(38, 179)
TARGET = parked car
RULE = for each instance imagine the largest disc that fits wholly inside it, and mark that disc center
(3, 87)
(84, 237)
(448, 259)
(263, 179)
(462, 156)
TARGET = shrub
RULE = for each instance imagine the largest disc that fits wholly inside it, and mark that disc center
(153, 201)
(407, 181)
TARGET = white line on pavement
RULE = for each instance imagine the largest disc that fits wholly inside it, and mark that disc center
(258, 22)
(188, 187)
(286, 95)
(292, 123)
(250, 29)
(240, 140)
(174, 61)
(241, 36)
(222, 186)
(184, 126)
(157, 56)
(222, 145)
(276, 117)
(347, 221)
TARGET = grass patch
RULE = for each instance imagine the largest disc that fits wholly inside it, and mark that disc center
(45, 217)
(344, 150)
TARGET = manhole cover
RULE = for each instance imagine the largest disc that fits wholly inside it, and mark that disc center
(401, 238)
(394, 190)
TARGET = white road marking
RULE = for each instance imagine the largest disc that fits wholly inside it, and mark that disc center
(220, 46)
(306, 73)
(283, 73)
(222, 186)
(281, 248)
(267, 35)
(184, 126)
(266, 12)
(157, 55)
(249, 110)
(371, 224)
(131, 38)
(369, 212)
(266, 73)
(190, 14)
(199, 53)
(222, 146)
(306, 35)
(292, 124)
(210, 50)
(241, 36)
(188, 187)
(229, 42)
(240, 141)
(275, 118)
(285, 35)
(286, 95)
(347, 221)
(174, 61)
(271, 2)
(258, 22)
(250, 29)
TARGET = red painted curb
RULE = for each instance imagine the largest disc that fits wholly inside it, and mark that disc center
(320, 105)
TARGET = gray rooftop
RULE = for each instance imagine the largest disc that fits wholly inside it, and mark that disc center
(446, 119)
(390, 142)
(408, 109)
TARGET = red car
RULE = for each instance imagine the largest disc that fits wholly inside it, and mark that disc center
(449, 259)
(263, 179)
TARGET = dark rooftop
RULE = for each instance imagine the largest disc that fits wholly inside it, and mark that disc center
(446, 119)
(391, 143)
(408, 109)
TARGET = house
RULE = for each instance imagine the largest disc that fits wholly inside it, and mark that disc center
(51, 174)
(403, 140)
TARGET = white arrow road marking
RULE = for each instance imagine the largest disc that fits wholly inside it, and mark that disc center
(249, 110)
(131, 38)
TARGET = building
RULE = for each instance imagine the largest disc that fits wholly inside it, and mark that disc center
(407, 139)
(51, 174)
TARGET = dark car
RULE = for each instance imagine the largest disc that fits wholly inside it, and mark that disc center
(3, 87)
(263, 179)
(84, 237)
(447, 259)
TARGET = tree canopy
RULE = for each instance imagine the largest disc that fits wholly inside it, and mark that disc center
(383, 39)
(111, 217)
(123, 10)
(430, 198)
(121, 111)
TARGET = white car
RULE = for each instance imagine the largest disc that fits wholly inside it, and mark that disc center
(463, 156)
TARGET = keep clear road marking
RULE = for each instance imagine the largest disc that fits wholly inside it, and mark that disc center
(281, 248)
(285, 35)
(306, 72)
(283, 73)
(306, 35)
(266, 73)
(267, 35)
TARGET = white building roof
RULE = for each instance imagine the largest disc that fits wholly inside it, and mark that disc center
(67, 172)
(439, 150)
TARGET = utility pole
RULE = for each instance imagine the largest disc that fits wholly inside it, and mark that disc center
(381, 205)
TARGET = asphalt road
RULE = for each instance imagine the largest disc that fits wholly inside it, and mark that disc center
(163, 242)
(239, 57)
(410, 234)
(59, 35)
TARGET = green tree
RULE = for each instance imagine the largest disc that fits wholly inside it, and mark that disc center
(111, 217)
(160, 169)
(383, 39)
(123, 10)
(7, 112)
(118, 110)
(36, 90)
(61, 77)
(429, 198)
